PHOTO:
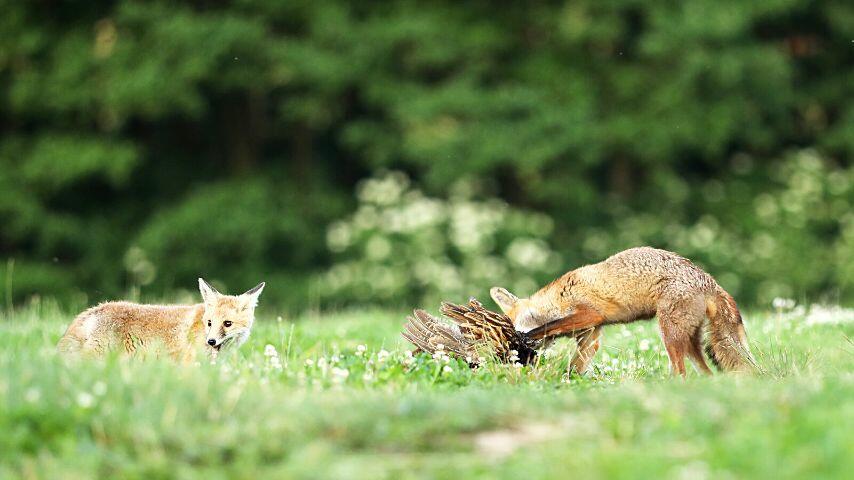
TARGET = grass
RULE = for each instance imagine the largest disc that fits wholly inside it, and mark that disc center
(335, 396)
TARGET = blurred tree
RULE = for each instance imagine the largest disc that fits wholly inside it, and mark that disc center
(221, 138)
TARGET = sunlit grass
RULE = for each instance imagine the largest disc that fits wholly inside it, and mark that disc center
(338, 396)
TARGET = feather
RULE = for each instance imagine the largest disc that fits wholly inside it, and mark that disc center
(474, 331)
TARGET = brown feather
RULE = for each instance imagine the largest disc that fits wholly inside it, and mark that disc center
(474, 329)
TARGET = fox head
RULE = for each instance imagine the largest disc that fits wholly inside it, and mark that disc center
(228, 319)
(520, 310)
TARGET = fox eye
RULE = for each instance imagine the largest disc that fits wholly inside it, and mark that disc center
(209, 323)
(226, 323)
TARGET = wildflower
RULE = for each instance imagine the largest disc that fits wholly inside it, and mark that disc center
(440, 347)
(407, 354)
(339, 375)
(382, 356)
(517, 365)
(85, 400)
(368, 376)
(783, 303)
(334, 359)
(360, 350)
(447, 369)
(514, 356)
(309, 362)
(644, 345)
(321, 363)
(270, 351)
(275, 363)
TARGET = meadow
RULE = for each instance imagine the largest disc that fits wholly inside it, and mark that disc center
(336, 395)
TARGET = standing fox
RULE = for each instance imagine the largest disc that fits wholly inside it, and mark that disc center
(636, 284)
(181, 330)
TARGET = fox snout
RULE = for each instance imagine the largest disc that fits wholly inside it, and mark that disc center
(212, 341)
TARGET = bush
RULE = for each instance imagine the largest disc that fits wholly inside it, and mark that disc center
(403, 246)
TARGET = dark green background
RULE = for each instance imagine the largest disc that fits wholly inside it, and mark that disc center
(221, 138)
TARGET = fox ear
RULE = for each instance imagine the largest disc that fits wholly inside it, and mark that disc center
(503, 298)
(209, 293)
(251, 297)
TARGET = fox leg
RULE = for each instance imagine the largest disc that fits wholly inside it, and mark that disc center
(588, 344)
(696, 352)
(679, 319)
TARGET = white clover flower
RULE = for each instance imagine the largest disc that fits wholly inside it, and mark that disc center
(382, 356)
(447, 369)
(408, 361)
(85, 400)
(360, 350)
(321, 363)
(514, 356)
(270, 351)
(275, 363)
(309, 362)
(334, 358)
(407, 354)
(339, 375)
(644, 345)
(783, 303)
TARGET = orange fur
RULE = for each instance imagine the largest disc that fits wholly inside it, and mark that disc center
(180, 331)
(636, 284)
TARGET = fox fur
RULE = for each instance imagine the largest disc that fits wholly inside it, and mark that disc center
(636, 284)
(182, 331)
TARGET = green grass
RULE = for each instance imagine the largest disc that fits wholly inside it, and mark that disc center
(391, 417)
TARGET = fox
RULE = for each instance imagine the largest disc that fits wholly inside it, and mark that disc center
(636, 284)
(182, 331)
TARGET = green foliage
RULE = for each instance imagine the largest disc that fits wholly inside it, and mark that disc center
(403, 247)
(303, 400)
(619, 120)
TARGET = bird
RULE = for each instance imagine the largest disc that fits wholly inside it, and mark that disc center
(475, 334)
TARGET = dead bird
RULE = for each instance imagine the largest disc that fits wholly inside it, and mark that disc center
(474, 334)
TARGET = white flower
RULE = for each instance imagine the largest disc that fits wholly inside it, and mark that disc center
(382, 356)
(783, 303)
(407, 354)
(334, 359)
(309, 362)
(440, 347)
(644, 345)
(270, 351)
(339, 374)
(447, 369)
(275, 363)
(514, 356)
(321, 363)
(360, 350)
(85, 399)
(368, 376)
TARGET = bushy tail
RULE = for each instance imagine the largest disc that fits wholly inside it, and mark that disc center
(727, 343)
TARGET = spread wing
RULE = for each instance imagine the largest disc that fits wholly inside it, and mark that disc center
(474, 328)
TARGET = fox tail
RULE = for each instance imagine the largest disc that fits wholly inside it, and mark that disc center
(727, 345)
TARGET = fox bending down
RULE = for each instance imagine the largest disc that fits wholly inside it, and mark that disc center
(636, 284)
(182, 330)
